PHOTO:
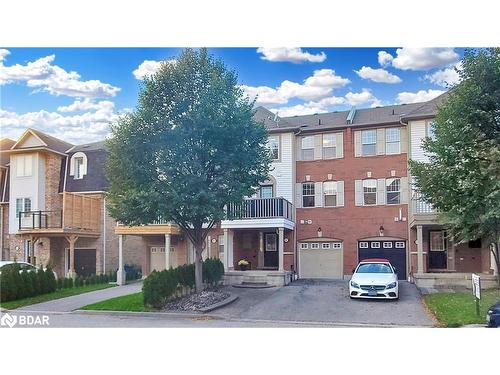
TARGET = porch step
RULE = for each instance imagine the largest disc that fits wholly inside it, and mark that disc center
(253, 285)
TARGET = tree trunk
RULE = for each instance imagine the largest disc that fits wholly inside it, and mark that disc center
(496, 255)
(198, 267)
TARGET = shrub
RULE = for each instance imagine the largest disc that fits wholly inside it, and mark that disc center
(50, 280)
(29, 290)
(6, 286)
(42, 281)
(60, 282)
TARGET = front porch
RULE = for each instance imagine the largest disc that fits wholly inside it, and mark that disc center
(258, 277)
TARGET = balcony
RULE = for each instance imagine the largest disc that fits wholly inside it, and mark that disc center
(422, 212)
(260, 213)
(158, 226)
(80, 215)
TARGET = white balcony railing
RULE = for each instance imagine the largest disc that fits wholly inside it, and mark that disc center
(260, 208)
(420, 205)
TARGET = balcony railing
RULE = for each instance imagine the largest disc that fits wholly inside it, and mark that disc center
(40, 219)
(420, 205)
(260, 208)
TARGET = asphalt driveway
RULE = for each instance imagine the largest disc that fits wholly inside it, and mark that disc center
(327, 301)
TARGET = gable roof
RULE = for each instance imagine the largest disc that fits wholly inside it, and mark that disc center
(427, 109)
(270, 119)
(48, 142)
(5, 144)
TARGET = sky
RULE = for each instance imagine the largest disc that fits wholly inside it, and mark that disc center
(76, 93)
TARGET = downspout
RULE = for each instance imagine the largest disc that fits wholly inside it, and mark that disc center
(409, 244)
(295, 249)
(104, 236)
(1, 231)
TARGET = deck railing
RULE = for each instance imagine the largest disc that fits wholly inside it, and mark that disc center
(260, 208)
(420, 205)
(40, 219)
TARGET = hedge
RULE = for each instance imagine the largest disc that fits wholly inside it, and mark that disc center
(160, 286)
(16, 285)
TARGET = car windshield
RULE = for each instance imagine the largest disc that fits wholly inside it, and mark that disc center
(374, 268)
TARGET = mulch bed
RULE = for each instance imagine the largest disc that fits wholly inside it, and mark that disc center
(196, 301)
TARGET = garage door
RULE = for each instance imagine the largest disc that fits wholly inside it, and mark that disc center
(321, 260)
(157, 258)
(392, 250)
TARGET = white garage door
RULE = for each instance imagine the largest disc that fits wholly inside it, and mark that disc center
(157, 258)
(321, 260)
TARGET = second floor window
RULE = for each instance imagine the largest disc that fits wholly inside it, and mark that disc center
(308, 148)
(330, 193)
(22, 205)
(273, 144)
(392, 141)
(393, 190)
(369, 142)
(369, 192)
(24, 165)
(266, 191)
(430, 130)
(78, 168)
(329, 146)
(308, 194)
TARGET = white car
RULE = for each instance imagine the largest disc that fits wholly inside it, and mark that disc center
(23, 266)
(374, 278)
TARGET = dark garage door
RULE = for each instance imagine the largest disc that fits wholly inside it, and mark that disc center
(394, 251)
(85, 260)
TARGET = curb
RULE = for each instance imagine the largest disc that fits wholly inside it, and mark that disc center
(217, 305)
(144, 314)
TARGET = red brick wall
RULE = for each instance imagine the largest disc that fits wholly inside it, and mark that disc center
(351, 223)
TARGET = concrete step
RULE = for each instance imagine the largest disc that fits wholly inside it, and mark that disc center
(250, 285)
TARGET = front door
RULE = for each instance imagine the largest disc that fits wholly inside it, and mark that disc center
(271, 250)
(437, 250)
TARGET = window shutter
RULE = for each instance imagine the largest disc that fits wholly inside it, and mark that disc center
(318, 194)
(404, 190)
(381, 191)
(357, 143)
(340, 145)
(358, 192)
(381, 141)
(340, 193)
(403, 136)
(318, 147)
(298, 148)
(298, 195)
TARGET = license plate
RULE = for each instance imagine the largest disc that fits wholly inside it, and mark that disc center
(372, 293)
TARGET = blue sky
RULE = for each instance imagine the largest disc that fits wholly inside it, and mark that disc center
(74, 93)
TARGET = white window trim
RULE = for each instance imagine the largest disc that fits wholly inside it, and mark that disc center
(391, 142)
(325, 194)
(387, 245)
(309, 195)
(22, 160)
(400, 245)
(387, 191)
(304, 246)
(315, 245)
(277, 138)
(372, 192)
(72, 164)
(375, 245)
(337, 245)
(326, 245)
(371, 143)
(363, 245)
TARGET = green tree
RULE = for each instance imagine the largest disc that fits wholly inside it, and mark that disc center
(190, 147)
(462, 179)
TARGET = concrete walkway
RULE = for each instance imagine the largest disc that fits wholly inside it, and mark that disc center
(75, 302)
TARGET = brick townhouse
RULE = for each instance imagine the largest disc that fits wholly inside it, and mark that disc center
(339, 191)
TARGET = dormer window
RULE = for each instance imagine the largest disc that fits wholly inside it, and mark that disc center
(78, 166)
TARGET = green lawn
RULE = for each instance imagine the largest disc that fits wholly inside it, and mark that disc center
(61, 293)
(458, 309)
(131, 302)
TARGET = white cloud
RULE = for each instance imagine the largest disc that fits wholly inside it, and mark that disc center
(79, 128)
(321, 106)
(424, 58)
(294, 55)
(85, 105)
(417, 97)
(3, 52)
(384, 58)
(149, 67)
(377, 75)
(363, 97)
(445, 77)
(316, 87)
(44, 75)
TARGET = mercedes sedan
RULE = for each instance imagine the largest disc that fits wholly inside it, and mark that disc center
(374, 278)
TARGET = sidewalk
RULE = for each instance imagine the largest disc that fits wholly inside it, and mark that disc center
(75, 302)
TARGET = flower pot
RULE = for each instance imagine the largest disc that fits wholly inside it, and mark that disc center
(243, 267)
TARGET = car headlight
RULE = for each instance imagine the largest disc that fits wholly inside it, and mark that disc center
(354, 285)
(391, 285)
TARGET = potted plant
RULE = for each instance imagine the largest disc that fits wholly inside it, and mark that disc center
(243, 264)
